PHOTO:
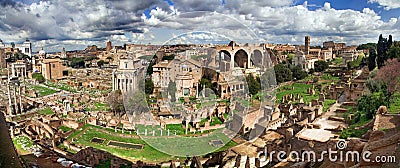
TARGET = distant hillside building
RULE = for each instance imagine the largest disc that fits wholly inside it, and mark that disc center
(63, 53)
(185, 73)
(2, 59)
(108, 46)
(306, 64)
(25, 47)
(307, 45)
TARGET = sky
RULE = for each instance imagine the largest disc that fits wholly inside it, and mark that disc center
(76, 24)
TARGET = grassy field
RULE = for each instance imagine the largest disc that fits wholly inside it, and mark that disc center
(22, 143)
(46, 111)
(42, 91)
(327, 104)
(64, 128)
(352, 130)
(61, 86)
(394, 107)
(148, 153)
(183, 146)
(299, 88)
(99, 107)
(329, 77)
(337, 61)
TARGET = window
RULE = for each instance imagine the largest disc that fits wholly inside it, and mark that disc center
(53, 65)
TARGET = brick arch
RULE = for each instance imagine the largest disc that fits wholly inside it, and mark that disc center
(241, 58)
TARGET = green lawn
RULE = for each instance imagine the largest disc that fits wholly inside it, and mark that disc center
(395, 104)
(99, 107)
(147, 153)
(61, 86)
(338, 61)
(215, 121)
(64, 128)
(329, 77)
(351, 131)
(43, 91)
(299, 88)
(327, 104)
(177, 145)
(183, 146)
(22, 143)
(61, 146)
(46, 111)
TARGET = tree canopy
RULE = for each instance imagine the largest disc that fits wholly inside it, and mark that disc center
(149, 86)
(298, 72)
(282, 73)
(320, 66)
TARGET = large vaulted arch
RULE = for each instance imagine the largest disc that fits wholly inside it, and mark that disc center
(257, 58)
(241, 59)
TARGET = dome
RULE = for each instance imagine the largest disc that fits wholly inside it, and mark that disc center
(42, 52)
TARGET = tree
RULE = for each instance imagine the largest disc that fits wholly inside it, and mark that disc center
(311, 71)
(368, 46)
(149, 86)
(172, 90)
(275, 52)
(38, 77)
(382, 48)
(372, 59)
(169, 57)
(152, 63)
(370, 103)
(100, 63)
(253, 84)
(390, 42)
(115, 99)
(77, 62)
(320, 66)
(282, 73)
(394, 52)
(290, 58)
(136, 103)
(298, 72)
(390, 76)
(374, 85)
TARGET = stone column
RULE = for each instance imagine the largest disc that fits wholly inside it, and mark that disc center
(20, 100)
(9, 95)
(248, 59)
(232, 60)
(113, 80)
(15, 98)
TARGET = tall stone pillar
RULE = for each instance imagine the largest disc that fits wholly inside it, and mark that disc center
(15, 98)
(249, 53)
(9, 96)
(232, 60)
(113, 80)
(20, 100)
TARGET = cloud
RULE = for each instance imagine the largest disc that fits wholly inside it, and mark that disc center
(387, 4)
(72, 20)
(77, 24)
